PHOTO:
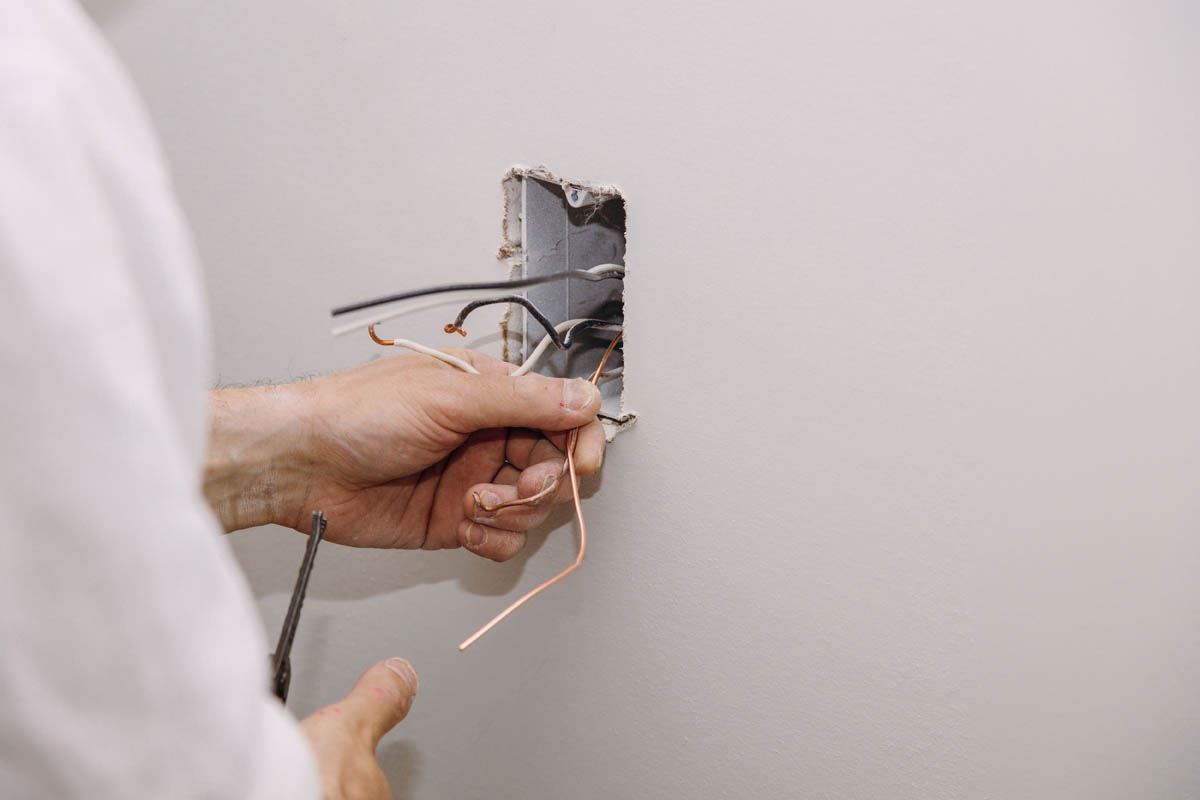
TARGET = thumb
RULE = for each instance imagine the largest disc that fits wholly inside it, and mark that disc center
(380, 699)
(528, 401)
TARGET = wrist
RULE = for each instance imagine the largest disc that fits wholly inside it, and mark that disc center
(259, 464)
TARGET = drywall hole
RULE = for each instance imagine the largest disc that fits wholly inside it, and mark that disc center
(554, 225)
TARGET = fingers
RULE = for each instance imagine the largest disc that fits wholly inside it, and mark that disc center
(530, 401)
(380, 699)
(474, 533)
(518, 517)
(589, 449)
(494, 543)
(526, 447)
(484, 450)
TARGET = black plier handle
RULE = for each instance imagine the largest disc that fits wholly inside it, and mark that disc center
(281, 664)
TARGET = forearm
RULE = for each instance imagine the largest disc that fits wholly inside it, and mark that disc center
(259, 464)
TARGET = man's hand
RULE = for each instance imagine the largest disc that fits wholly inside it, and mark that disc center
(393, 452)
(344, 735)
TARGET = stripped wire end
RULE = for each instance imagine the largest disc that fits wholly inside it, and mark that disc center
(376, 339)
(452, 328)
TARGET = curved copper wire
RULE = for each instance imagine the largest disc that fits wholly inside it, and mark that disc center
(376, 339)
(533, 498)
(470, 640)
(553, 487)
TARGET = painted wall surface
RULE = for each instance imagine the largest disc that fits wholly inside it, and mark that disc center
(911, 510)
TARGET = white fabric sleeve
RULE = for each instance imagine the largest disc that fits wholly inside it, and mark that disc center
(132, 663)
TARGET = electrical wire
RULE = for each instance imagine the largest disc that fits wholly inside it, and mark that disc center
(521, 300)
(546, 491)
(572, 440)
(554, 336)
(402, 311)
(413, 308)
(597, 273)
(571, 326)
(453, 361)
(561, 342)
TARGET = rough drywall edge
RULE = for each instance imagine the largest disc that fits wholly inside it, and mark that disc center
(512, 254)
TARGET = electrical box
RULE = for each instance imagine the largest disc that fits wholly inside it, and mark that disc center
(553, 225)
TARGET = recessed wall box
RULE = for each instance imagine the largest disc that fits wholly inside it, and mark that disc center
(553, 225)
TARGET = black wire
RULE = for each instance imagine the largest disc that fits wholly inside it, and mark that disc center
(520, 283)
(512, 298)
(569, 339)
(560, 341)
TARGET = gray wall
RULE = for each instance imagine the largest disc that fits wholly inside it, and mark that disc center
(911, 510)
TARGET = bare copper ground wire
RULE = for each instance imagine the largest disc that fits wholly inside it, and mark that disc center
(572, 439)
(522, 501)
(553, 487)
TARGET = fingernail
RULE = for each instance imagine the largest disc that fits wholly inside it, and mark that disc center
(405, 671)
(476, 535)
(489, 499)
(578, 393)
(547, 481)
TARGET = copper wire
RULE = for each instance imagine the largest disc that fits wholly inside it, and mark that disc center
(550, 489)
(376, 339)
(524, 501)
(571, 442)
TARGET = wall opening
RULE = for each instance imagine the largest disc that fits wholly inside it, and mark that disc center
(554, 225)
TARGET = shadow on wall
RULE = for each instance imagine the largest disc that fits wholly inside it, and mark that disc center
(270, 558)
(103, 12)
(401, 761)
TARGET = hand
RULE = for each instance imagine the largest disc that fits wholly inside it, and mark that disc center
(394, 451)
(344, 735)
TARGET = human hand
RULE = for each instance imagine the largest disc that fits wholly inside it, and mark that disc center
(394, 452)
(344, 736)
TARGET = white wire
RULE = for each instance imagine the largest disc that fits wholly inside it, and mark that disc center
(560, 328)
(402, 311)
(607, 268)
(453, 361)
(546, 341)
(375, 319)
(524, 369)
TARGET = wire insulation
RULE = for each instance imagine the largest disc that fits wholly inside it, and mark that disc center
(571, 326)
(521, 300)
(392, 313)
(453, 361)
(598, 273)
(404, 310)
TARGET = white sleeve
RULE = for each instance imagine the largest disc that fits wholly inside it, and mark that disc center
(131, 659)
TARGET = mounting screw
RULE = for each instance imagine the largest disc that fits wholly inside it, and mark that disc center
(577, 198)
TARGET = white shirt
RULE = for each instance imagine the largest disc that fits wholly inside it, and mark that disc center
(132, 662)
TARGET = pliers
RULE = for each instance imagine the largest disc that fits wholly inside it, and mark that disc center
(281, 664)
